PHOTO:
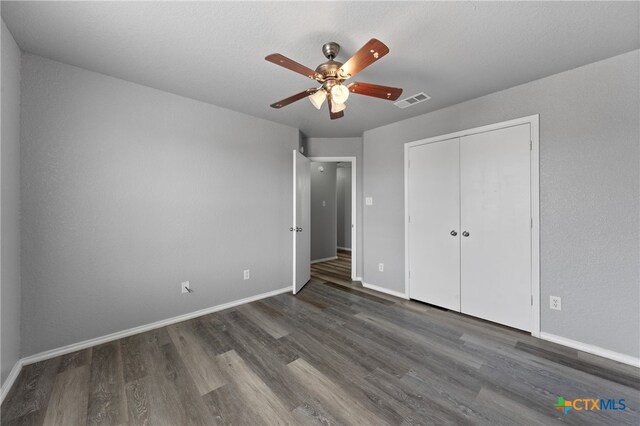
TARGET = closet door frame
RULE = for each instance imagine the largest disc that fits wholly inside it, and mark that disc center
(533, 121)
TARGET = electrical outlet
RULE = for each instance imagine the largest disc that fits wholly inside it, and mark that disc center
(380, 267)
(555, 303)
(324, 203)
(247, 274)
(185, 287)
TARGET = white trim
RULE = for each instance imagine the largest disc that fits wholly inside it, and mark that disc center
(385, 290)
(326, 259)
(344, 248)
(533, 121)
(10, 380)
(592, 349)
(141, 329)
(354, 206)
(293, 221)
(357, 279)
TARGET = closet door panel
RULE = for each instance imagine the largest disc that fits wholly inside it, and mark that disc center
(495, 210)
(434, 212)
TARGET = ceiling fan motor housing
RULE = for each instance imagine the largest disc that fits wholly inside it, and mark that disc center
(329, 69)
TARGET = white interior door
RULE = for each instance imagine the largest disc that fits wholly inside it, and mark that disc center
(434, 223)
(495, 214)
(302, 221)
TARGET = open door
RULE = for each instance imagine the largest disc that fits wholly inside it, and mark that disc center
(302, 221)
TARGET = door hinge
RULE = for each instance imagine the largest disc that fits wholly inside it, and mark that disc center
(532, 300)
(409, 219)
(531, 223)
(530, 145)
(409, 164)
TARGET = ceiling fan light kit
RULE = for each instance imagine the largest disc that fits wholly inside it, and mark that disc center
(335, 108)
(318, 98)
(332, 74)
(339, 94)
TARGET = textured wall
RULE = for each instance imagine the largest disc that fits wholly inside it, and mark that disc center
(323, 217)
(127, 191)
(589, 194)
(10, 204)
(343, 195)
(344, 147)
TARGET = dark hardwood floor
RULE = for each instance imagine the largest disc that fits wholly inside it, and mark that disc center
(336, 353)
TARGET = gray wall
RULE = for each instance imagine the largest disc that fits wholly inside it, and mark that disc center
(343, 197)
(589, 194)
(10, 204)
(344, 147)
(127, 191)
(323, 218)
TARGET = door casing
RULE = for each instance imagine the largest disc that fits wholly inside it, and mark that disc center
(354, 216)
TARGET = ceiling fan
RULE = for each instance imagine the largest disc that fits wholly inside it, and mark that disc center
(332, 74)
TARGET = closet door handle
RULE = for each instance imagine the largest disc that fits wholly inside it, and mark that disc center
(453, 233)
(465, 234)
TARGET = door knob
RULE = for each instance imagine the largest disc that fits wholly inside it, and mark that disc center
(291, 229)
(298, 229)
(453, 233)
(465, 234)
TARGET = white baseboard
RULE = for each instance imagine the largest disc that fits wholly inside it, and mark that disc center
(344, 248)
(385, 290)
(356, 279)
(595, 350)
(324, 260)
(135, 330)
(11, 378)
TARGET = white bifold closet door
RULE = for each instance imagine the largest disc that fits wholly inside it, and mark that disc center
(469, 202)
(495, 210)
(434, 223)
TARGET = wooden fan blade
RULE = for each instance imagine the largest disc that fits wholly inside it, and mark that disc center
(292, 65)
(292, 99)
(382, 92)
(334, 115)
(368, 54)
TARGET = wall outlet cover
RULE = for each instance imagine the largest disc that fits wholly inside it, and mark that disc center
(381, 267)
(555, 303)
(247, 274)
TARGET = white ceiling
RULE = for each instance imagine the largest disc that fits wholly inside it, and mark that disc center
(215, 52)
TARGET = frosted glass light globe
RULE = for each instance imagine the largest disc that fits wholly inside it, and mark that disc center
(318, 98)
(339, 94)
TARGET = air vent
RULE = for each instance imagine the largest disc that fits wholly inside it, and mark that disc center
(412, 100)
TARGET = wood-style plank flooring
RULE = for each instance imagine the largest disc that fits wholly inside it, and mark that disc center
(336, 353)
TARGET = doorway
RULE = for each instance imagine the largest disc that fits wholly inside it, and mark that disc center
(333, 217)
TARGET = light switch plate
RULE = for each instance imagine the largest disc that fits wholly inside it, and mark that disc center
(368, 201)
